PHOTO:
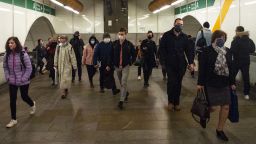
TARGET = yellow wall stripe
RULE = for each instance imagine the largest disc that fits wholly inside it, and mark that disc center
(222, 14)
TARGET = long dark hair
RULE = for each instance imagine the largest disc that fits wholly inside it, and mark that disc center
(18, 48)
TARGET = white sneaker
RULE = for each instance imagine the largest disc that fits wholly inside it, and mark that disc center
(139, 77)
(11, 123)
(33, 109)
(246, 97)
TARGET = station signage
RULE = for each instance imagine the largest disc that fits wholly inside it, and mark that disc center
(32, 5)
(198, 4)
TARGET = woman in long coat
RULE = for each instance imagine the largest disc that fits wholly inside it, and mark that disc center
(64, 60)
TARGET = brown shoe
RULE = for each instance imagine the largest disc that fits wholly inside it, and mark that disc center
(177, 108)
(170, 107)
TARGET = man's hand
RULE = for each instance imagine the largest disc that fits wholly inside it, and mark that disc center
(96, 66)
(200, 88)
(191, 67)
(233, 87)
(108, 68)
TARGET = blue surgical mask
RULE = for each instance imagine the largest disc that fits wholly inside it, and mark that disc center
(220, 42)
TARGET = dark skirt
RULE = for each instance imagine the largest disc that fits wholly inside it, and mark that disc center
(218, 96)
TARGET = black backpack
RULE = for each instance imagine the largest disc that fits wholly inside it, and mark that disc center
(33, 73)
(202, 41)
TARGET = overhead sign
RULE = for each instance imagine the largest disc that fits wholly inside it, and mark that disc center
(198, 4)
(31, 4)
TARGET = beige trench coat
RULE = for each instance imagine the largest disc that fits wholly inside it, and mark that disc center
(64, 60)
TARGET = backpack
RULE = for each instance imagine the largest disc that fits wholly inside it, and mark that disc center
(202, 41)
(33, 73)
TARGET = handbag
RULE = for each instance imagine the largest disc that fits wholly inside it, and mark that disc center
(200, 107)
(138, 62)
(108, 80)
(233, 115)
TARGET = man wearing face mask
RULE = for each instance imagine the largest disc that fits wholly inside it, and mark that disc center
(149, 49)
(102, 54)
(77, 44)
(175, 55)
(122, 56)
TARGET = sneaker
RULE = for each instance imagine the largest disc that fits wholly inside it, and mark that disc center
(221, 135)
(139, 77)
(11, 123)
(246, 97)
(177, 108)
(120, 105)
(170, 107)
(33, 109)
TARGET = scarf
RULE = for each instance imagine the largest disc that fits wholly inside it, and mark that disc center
(221, 66)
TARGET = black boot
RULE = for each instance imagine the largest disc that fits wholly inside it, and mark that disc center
(116, 91)
(126, 97)
(221, 135)
(120, 105)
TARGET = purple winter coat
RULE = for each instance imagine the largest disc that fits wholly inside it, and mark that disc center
(15, 73)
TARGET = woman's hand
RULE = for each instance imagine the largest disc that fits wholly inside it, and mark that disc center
(233, 87)
(200, 88)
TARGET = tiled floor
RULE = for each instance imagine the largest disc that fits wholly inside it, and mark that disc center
(89, 117)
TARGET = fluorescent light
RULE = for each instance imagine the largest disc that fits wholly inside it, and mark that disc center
(57, 3)
(76, 12)
(250, 3)
(177, 2)
(162, 8)
(144, 17)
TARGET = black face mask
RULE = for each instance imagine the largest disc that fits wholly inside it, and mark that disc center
(178, 28)
(149, 37)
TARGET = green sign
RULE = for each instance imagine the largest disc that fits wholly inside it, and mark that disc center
(198, 4)
(31, 4)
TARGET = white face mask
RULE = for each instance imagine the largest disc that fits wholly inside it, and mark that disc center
(60, 44)
(106, 40)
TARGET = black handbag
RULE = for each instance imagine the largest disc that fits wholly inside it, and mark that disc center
(200, 107)
(108, 80)
(233, 115)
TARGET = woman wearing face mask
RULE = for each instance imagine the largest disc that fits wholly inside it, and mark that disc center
(88, 59)
(216, 78)
(17, 70)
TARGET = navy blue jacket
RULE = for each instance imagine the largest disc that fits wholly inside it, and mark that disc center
(102, 53)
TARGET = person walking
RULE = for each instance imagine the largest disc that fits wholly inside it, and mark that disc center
(88, 59)
(123, 55)
(149, 50)
(173, 48)
(17, 69)
(77, 45)
(216, 78)
(241, 47)
(64, 61)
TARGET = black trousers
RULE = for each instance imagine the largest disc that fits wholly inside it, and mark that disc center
(139, 70)
(175, 76)
(102, 77)
(164, 72)
(52, 74)
(40, 64)
(147, 71)
(91, 71)
(246, 77)
(13, 97)
(79, 70)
